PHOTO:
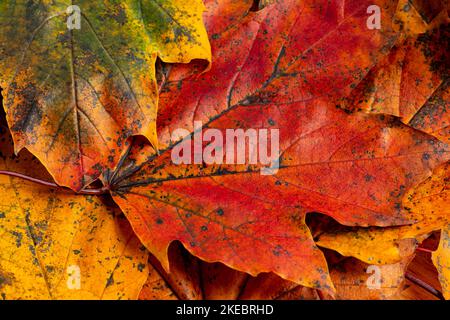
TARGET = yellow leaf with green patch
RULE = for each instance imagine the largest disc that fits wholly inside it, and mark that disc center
(79, 77)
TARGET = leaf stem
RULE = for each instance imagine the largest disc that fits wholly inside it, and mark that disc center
(424, 250)
(424, 285)
(87, 191)
(25, 177)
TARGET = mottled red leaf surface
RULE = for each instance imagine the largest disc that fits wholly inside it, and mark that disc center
(282, 67)
(412, 83)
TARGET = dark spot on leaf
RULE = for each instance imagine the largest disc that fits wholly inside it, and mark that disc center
(27, 114)
(49, 268)
(19, 237)
(4, 280)
(277, 251)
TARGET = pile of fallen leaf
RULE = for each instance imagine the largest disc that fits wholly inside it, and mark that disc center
(92, 203)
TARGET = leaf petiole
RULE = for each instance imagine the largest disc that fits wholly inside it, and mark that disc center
(424, 285)
(85, 191)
